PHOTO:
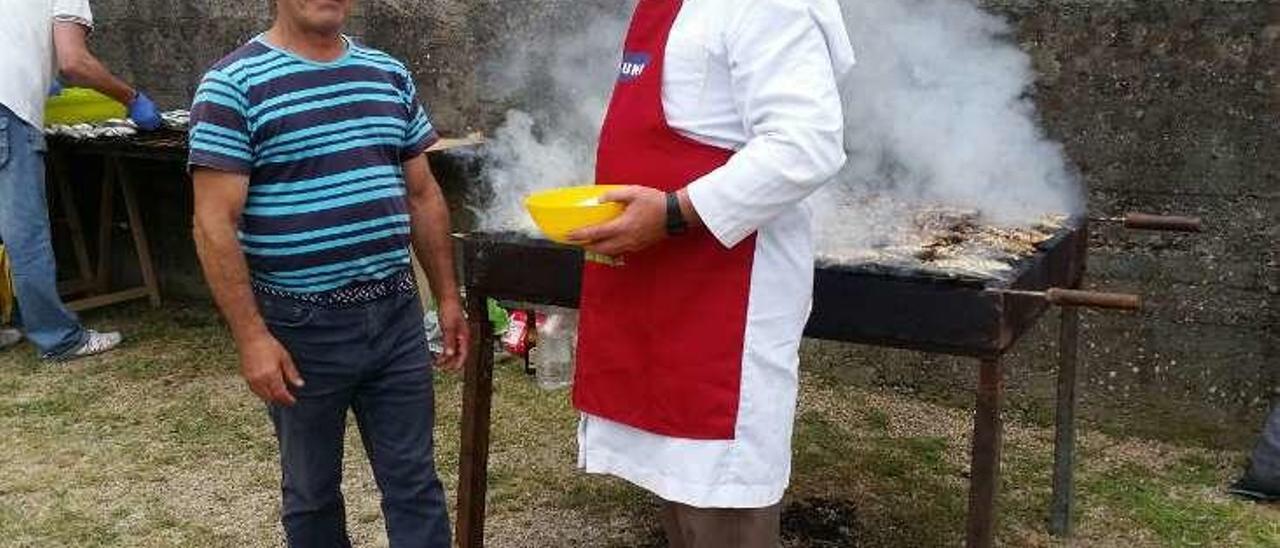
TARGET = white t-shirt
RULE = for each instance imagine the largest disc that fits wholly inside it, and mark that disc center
(26, 52)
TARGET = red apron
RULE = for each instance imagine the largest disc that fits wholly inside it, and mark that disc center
(661, 337)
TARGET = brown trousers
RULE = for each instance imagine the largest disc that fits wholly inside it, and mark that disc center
(689, 527)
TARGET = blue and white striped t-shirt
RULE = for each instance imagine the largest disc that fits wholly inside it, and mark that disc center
(322, 144)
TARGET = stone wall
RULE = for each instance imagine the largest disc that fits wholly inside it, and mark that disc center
(1166, 106)
(163, 46)
(1174, 107)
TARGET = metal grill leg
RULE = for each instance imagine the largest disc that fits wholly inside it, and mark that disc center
(477, 395)
(1064, 439)
(988, 434)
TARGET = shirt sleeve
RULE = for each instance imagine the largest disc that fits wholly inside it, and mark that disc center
(73, 11)
(785, 89)
(219, 135)
(420, 133)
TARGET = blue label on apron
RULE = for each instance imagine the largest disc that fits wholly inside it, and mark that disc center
(633, 65)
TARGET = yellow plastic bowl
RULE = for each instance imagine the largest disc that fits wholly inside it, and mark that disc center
(81, 105)
(560, 211)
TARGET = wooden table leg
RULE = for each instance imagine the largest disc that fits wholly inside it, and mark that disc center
(140, 245)
(1064, 438)
(106, 214)
(76, 228)
(988, 434)
(477, 395)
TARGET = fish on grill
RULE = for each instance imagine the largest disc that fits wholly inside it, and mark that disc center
(945, 240)
(116, 128)
(980, 267)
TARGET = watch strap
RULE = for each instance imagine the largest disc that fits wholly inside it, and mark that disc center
(675, 218)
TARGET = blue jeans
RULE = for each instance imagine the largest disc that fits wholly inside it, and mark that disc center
(372, 359)
(24, 229)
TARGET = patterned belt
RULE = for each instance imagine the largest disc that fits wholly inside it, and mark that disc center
(354, 294)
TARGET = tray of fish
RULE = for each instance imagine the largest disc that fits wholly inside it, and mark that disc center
(945, 242)
(114, 128)
(117, 128)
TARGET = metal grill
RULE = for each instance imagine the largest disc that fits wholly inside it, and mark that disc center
(866, 304)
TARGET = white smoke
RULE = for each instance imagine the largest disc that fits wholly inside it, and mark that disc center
(937, 112)
(554, 143)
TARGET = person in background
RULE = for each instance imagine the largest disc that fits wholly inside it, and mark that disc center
(308, 156)
(725, 117)
(35, 33)
(1261, 480)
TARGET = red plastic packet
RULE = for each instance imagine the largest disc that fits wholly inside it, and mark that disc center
(520, 336)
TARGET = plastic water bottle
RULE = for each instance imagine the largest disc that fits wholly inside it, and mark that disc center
(553, 357)
(435, 335)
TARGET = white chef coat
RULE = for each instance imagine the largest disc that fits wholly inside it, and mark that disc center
(26, 52)
(759, 77)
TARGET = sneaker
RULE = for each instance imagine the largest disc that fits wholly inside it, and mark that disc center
(1249, 489)
(9, 337)
(94, 343)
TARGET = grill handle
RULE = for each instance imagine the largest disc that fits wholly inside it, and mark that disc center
(1088, 299)
(1093, 299)
(1170, 223)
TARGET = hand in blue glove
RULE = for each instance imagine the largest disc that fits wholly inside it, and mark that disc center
(143, 112)
(55, 88)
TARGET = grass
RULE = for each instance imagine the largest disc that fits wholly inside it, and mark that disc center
(1171, 502)
(160, 444)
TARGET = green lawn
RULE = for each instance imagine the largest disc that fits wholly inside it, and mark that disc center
(160, 444)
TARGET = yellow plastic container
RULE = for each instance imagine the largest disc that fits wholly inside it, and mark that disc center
(560, 211)
(81, 106)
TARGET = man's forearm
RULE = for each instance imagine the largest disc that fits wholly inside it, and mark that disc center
(77, 65)
(687, 210)
(429, 217)
(227, 273)
(86, 71)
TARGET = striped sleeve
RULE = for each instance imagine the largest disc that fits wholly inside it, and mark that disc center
(420, 134)
(219, 128)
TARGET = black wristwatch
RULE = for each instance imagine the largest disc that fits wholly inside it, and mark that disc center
(676, 224)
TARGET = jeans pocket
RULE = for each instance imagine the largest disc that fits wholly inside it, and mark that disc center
(37, 141)
(280, 313)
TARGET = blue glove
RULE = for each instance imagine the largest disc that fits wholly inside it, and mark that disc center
(55, 88)
(143, 112)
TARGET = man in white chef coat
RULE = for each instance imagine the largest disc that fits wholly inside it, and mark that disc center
(725, 117)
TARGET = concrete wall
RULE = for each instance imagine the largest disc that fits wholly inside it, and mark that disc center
(165, 45)
(1166, 106)
(1174, 107)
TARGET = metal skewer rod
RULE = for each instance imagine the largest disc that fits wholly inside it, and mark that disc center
(1074, 297)
(1146, 221)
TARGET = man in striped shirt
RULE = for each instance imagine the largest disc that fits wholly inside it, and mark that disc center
(311, 184)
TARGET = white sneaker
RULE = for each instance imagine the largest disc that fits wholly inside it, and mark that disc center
(9, 337)
(95, 343)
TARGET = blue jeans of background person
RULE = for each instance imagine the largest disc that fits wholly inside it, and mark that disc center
(373, 360)
(24, 228)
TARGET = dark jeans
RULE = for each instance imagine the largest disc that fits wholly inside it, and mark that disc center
(372, 359)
